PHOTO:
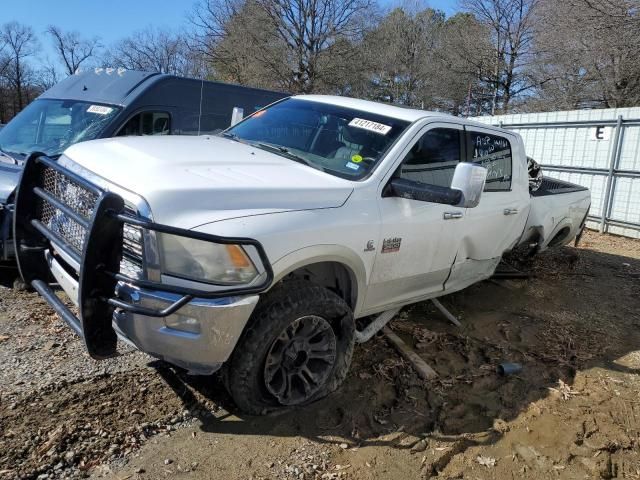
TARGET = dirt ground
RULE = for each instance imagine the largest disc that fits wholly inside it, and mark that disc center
(573, 411)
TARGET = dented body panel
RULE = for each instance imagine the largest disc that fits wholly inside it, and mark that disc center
(549, 226)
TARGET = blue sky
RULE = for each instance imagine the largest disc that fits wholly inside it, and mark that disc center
(110, 20)
(114, 19)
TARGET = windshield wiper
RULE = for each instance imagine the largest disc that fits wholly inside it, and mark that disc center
(14, 160)
(289, 154)
(231, 136)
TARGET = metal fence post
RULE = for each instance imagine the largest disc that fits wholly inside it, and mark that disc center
(612, 165)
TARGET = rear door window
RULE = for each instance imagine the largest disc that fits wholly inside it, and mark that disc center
(494, 153)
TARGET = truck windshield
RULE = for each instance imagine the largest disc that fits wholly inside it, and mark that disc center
(341, 141)
(50, 126)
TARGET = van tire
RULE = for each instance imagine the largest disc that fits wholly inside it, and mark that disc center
(247, 374)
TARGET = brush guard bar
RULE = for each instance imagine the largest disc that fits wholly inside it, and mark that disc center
(100, 255)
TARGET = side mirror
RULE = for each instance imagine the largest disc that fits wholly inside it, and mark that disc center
(465, 191)
(237, 114)
(469, 179)
(403, 188)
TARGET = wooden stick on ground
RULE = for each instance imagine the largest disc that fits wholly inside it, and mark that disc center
(424, 370)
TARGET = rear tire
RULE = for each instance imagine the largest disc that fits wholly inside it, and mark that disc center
(296, 349)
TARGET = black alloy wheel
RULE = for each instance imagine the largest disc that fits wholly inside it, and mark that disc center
(300, 360)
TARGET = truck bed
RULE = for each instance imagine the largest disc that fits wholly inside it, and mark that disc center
(557, 215)
(553, 186)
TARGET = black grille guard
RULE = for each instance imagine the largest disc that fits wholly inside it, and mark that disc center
(100, 257)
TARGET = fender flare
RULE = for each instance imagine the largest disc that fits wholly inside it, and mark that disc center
(565, 222)
(325, 253)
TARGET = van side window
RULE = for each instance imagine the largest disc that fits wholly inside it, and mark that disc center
(433, 159)
(146, 123)
(214, 122)
(494, 153)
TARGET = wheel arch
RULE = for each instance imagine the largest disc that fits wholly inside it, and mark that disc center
(560, 234)
(331, 266)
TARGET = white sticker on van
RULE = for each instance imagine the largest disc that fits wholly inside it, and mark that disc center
(99, 109)
(376, 127)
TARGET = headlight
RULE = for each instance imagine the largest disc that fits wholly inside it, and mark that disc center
(200, 260)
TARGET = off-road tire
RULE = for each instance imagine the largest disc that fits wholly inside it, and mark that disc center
(244, 372)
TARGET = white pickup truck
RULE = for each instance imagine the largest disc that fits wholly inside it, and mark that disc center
(257, 250)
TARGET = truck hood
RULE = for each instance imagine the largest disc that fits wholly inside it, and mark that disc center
(189, 181)
(9, 178)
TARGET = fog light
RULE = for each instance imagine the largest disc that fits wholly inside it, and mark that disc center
(183, 323)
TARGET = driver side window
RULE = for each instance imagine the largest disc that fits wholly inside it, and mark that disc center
(433, 158)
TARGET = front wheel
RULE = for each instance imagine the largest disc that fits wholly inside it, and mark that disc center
(296, 349)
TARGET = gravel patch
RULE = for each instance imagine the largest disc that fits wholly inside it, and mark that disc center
(63, 413)
(39, 349)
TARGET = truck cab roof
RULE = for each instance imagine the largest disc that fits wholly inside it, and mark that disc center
(399, 112)
(385, 109)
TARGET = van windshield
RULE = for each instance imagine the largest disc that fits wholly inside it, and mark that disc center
(341, 141)
(50, 126)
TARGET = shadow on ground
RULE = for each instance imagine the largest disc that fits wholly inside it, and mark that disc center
(8, 274)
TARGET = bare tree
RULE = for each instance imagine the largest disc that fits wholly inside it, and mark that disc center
(293, 40)
(152, 50)
(5, 96)
(400, 54)
(222, 41)
(464, 60)
(610, 13)
(591, 51)
(73, 50)
(47, 75)
(5, 59)
(310, 29)
(20, 44)
(210, 20)
(512, 24)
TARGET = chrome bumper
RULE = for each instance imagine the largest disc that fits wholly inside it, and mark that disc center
(199, 337)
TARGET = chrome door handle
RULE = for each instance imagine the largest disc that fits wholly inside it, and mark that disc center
(510, 211)
(451, 215)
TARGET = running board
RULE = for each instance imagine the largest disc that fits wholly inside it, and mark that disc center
(375, 326)
(450, 316)
(385, 317)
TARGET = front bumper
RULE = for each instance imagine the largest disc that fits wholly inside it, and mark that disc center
(199, 337)
(193, 327)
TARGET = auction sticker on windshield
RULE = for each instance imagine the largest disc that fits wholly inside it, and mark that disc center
(352, 166)
(99, 109)
(376, 127)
